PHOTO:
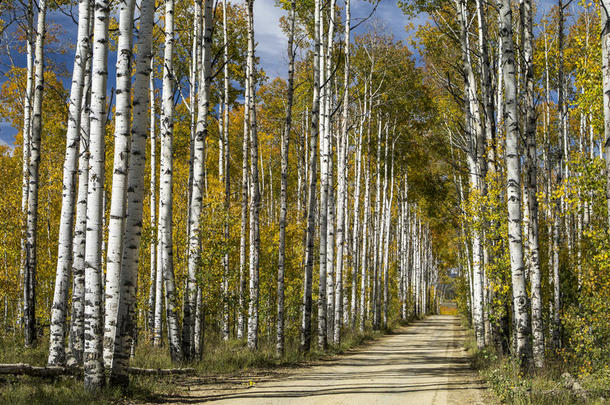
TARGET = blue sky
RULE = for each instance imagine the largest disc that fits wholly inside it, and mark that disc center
(271, 41)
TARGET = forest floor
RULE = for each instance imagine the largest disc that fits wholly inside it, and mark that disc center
(423, 363)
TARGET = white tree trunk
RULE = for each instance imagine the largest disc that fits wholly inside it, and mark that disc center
(284, 185)
(323, 209)
(341, 183)
(31, 228)
(194, 257)
(26, 138)
(166, 185)
(226, 178)
(126, 322)
(64, 254)
(513, 188)
(241, 322)
(254, 191)
(365, 228)
(118, 200)
(305, 342)
(93, 365)
(153, 198)
(77, 318)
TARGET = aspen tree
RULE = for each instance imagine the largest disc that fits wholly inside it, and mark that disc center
(305, 336)
(324, 177)
(284, 184)
(77, 317)
(513, 187)
(474, 128)
(126, 323)
(153, 196)
(26, 135)
(241, 322)
(605, 46)
(166, 185)
(93, 345)
(365, 228)
(31, 228)
(226, 178)
(254, 191)
(531, 180)
(341, 182)
(118, 201)
(196, 203)
(64, 254)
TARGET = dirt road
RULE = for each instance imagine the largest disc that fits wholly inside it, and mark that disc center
(423, 363)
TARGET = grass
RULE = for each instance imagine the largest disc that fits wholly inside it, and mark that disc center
(231, 358)
(510, 385)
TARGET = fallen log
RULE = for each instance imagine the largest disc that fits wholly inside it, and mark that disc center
(54, 371)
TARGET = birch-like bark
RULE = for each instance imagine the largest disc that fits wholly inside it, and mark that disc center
(377, 232)
(118, 200)
(254, 192)
(305, 342)
(341, 182)
(386, 264)
(77, 317)
(605, 46)
(31, 227)
(226, 178)
(126, 322)
(93, 348)
(284, 185)
(365, 228)
(531, 184)
(26, 139)
(166, 185)
(381, 231)
(241, 321)
(473, 124)
(64, 254)
(323, 209)
(356, 228)
(515, 243)
(153, 197)
(194, 257)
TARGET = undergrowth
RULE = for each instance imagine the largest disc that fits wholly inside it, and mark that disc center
(219, 358)
(511, 385)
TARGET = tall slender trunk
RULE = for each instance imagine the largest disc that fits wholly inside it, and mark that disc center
(324, 169)
(26, 136)
(77, 317)
(254, 191)
(605, 45)
(341, 182)
(93, 365)
(64, 254)
(531, 184)
(376, 222)
(284, 186)
(118, 201)
(166, 185)
(474, 127)
(196, 204)
(153, 197)
(227, 179)
(356, 229)
(31, 228)
(513, 187)
(365, 228)
(126, 322)
(241, 322)
(305, 342)
(386, 264)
